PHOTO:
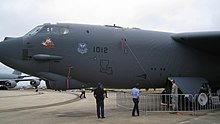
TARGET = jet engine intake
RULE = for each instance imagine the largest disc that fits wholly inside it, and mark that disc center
(10, 84)
(35, 83)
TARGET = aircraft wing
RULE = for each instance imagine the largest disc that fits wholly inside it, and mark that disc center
(11, 83)
(205, 41)
(16, 80)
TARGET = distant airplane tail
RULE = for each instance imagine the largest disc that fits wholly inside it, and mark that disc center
(16, 72)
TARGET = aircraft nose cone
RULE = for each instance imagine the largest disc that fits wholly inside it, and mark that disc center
(10, 49)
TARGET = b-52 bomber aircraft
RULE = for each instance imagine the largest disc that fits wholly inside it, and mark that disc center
(8, 81)
(116, 56)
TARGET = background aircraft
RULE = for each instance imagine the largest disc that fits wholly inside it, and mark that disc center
(116, 56)
(10, 80)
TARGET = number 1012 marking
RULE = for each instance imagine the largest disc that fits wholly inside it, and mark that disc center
(100, 49)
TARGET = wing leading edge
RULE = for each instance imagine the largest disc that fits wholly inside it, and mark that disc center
(205, 41)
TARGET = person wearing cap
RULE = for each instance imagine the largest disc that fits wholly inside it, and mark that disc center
(99, 95)
(135, 97)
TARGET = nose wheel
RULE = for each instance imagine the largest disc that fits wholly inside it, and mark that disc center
(202, 99)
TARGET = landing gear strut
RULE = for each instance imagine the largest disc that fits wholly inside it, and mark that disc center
(36, 88)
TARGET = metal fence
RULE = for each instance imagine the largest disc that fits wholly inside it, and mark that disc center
(170, 103)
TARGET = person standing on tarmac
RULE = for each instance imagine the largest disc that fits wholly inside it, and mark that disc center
(83, 93)
(174, 95)
(106, 94)
(99, 95)
(135, 96)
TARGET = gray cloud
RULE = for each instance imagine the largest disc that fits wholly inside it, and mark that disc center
(20, 16)
(17, 17)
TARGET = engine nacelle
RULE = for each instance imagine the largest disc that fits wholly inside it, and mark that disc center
(35, 83)
(59, 82)
(10, 83)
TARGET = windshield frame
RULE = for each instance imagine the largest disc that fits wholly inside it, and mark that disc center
(48, 29)
(35, 30)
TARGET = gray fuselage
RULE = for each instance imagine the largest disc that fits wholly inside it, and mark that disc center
(117, 57)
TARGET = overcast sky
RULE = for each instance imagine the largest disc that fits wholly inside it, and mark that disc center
(17, 17)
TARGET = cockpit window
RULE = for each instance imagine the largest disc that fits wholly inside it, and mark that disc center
(48, 29)
(64, 31)
(52, 29)
(35, 30)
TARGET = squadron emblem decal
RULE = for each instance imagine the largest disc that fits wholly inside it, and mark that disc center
(48, 43)
(82, 48)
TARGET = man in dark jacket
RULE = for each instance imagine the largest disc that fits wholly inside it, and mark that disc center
(99, 95)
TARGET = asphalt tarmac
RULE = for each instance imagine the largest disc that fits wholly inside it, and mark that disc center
(50, 107)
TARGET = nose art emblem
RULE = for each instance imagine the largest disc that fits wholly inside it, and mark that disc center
(48, 43)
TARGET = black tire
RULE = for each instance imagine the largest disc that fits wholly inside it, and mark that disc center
(202, 99)
(3, 88)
